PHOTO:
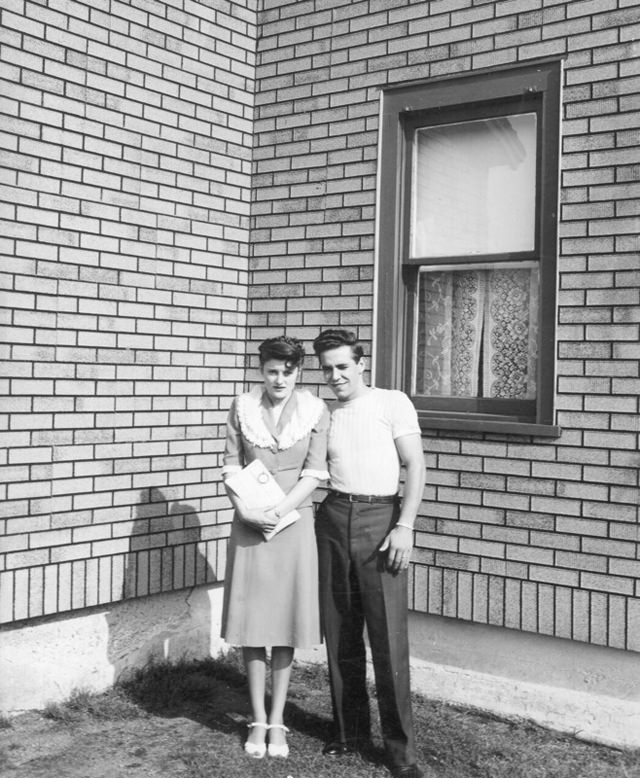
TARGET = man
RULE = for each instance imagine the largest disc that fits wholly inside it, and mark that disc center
(365, 536)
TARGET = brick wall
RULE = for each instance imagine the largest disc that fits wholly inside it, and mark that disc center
(535, 534)
(126, 162)
(129, 261)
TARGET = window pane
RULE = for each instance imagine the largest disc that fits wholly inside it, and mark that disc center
(476, 332)
(474, 187)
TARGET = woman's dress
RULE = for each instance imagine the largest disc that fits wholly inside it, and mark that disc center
(271, 587)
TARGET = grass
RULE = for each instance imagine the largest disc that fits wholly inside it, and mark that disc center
(113, 704)
(189, 719)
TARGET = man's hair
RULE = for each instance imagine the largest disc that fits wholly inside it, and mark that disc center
(283, 348)
(330, 339)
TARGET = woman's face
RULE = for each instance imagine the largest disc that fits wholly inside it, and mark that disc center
(279, 379)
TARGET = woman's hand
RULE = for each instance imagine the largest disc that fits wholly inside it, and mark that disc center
(260, 520)
(273, 515)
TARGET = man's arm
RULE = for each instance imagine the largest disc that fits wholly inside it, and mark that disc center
(399, 542)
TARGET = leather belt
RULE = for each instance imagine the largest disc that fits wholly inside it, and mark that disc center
(370, 498)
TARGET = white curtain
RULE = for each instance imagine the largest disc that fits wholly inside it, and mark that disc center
(477, 333)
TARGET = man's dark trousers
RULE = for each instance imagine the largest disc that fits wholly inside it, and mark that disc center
(356, 589)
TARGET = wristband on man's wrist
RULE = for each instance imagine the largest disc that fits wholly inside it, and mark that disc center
(402, 524)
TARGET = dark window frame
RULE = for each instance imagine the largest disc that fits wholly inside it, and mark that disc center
(534, 87)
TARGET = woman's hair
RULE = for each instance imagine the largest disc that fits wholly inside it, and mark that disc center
(330, 339)
(284, 348)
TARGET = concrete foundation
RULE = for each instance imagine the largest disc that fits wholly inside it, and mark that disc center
(45, 660)
(590, 692)
(587, 691)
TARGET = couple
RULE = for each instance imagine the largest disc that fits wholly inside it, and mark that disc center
(364, 534)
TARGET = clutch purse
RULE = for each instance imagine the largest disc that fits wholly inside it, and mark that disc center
(258, 489)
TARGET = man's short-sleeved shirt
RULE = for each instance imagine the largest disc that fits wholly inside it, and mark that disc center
(363, 458)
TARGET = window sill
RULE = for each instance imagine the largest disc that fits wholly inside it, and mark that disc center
(478, 423)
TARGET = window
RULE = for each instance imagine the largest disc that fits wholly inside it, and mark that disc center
(467, 248)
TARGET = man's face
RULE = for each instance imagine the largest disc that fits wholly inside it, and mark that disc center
(343, 373)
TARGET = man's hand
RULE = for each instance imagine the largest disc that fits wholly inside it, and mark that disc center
(398, 545)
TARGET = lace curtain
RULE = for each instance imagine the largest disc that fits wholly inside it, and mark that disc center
(477, 333)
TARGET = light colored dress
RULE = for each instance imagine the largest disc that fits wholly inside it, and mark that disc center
(271, 587)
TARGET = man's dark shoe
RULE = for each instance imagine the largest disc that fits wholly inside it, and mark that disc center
(406, 771)
(337, 748)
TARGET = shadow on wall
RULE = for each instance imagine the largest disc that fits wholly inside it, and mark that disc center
(166, 556)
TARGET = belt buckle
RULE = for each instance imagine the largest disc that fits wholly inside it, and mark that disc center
(353, 498)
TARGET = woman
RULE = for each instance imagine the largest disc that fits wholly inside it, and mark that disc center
(271, 587)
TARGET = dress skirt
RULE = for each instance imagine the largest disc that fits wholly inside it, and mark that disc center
(274, 585)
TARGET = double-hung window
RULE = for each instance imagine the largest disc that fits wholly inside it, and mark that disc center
(467, 245)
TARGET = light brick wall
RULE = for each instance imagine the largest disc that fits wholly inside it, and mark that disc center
(129, 261)
(126, 134)
(535, 534)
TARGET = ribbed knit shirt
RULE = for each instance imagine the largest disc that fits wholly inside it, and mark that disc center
(363, 458)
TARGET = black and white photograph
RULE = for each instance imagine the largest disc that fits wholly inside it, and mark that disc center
(320, 388)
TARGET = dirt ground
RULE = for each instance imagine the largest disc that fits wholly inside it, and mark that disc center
(171, 745)
(190, 722)
(193, 727)
(36, 748)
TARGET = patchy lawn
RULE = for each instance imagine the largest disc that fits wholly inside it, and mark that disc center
(188, 720)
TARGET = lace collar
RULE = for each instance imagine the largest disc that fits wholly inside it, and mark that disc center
(301, 420)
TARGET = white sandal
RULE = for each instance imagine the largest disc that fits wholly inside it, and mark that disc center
(275, 750)
(256, 750)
